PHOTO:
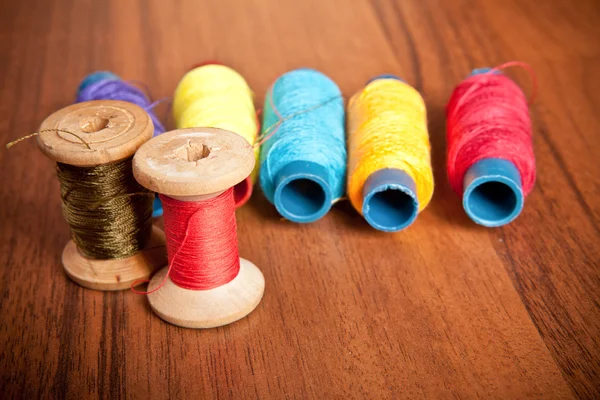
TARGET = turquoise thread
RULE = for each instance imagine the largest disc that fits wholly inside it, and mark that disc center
(316, 136)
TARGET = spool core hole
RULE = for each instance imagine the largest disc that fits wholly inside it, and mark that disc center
(392, 208)
(303, 197)
(94, 124)
(492, 201)
(192, 152)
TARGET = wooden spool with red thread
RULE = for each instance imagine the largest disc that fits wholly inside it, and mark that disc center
(199, 165)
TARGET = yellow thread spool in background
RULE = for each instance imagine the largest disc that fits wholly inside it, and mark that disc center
(216, 96)
(387, 129)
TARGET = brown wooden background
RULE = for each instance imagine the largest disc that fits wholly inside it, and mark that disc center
(445, 309)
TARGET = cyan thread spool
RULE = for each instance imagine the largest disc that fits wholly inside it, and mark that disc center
(493, 192)
(390, 200)
(99, 76)
(303, 158)
(96, 77)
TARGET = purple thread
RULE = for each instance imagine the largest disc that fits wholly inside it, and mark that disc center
(113, 89)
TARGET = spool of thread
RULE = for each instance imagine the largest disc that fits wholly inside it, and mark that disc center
(490, 157)
(205, 284)
(104, 85)
(303, 157)
(95, 77)
(113, 241)
(213, 95)
(389, 174)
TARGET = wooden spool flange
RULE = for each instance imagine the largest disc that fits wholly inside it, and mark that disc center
(197, 164)
(114, 130)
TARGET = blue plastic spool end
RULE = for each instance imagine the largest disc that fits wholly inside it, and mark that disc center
(96, 77)
(302, 192)
(157, 208)
(390, 200)
(485, 70)
(384, 76)
(493, 194)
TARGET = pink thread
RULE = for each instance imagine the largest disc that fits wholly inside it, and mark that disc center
(488, 117)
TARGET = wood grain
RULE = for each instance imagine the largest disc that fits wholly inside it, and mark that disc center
(444, 309)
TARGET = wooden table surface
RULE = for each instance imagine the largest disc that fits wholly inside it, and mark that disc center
(444, 309)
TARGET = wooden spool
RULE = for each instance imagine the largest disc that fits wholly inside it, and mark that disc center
(114, 130)
(197, 164)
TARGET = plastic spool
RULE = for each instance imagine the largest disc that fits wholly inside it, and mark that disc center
(159, 167)
(493, 192)
(123, 128)
(390, 199)
(198, 101)
(302, 190)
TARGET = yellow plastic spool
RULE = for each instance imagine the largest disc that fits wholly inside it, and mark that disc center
(390, 178)
(216, 96)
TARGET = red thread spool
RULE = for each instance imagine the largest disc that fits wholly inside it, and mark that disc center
(490, 159)
(202, 233)
(206, 284)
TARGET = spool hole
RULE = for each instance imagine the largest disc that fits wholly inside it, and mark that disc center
(192, 152)
(94, 124)
(493, 201)
(391, 208)
(303, 197)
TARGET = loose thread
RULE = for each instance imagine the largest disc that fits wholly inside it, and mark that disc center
(201, 243)
(499, 68)
(272, 129)
(11, 144)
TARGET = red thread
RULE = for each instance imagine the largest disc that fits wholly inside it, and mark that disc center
(242, 192)
(201, 242)
(488, 117)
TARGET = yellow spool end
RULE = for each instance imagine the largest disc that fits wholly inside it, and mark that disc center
(216, 96)
(387, 130)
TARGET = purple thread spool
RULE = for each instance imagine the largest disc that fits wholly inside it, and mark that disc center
(104, 85)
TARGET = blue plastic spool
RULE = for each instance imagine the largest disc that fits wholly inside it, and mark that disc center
(493, 192)
(157, 209)
(390, 200)
(302, 192)
(303, 189)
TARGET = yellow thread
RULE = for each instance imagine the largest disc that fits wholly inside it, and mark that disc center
(387, 128)
(218, 97)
